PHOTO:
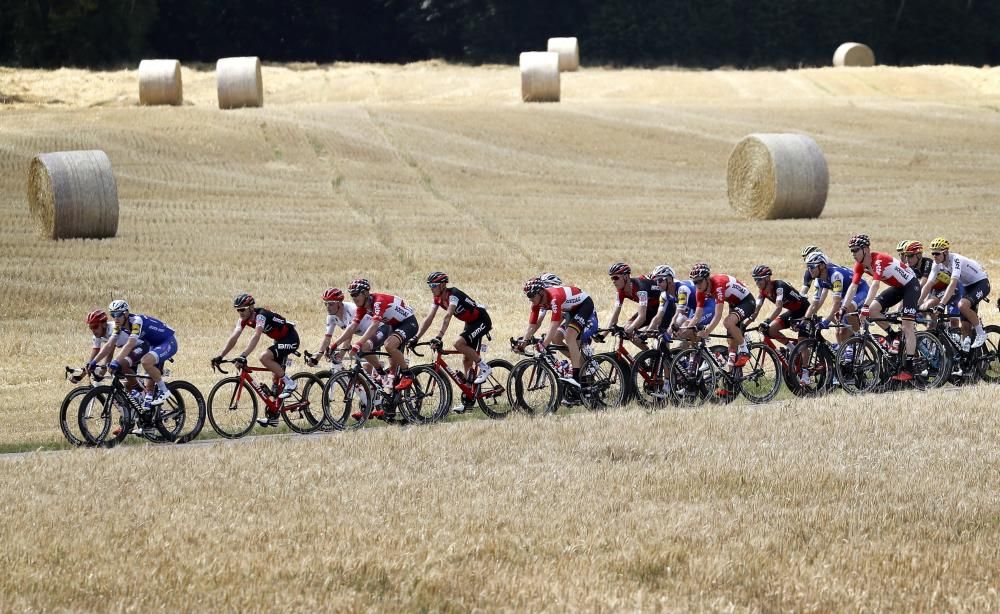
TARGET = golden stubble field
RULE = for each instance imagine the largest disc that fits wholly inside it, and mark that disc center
(390, 172)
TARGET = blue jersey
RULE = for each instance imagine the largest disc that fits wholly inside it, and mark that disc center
(837, 280)
(685, 292)
(145, 328)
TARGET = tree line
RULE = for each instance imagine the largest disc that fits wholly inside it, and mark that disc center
(693, 33)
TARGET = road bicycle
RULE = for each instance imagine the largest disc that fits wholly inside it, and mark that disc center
(699, 373)
(233, 403)
(69, 410)
(648, 371)
(536, 386)
(491, 395)
(351, 397)
(812, 355)
(109, 413)
(961, 367)
(867, 362)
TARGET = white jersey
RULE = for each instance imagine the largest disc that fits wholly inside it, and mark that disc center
(109, 330)
(966, 270)
(347, 315)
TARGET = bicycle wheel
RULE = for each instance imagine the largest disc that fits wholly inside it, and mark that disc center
(859, 365)
(604, 383)
(347, 401)
(69, 413)
(990, 359)
(105, 416)
(810, 368)
(493, 398)
(536, 388)
(232, 408)
(760, 379)
(428, 399)
(303, 410)
(182, 416)
(651, 378)
(692, 377)
(934, 358)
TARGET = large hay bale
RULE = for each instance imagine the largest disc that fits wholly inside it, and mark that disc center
(73, 194)
(569, 52)
(239, 83)
(853, 54)
(773, 176)
(539, 76)
(160, 82)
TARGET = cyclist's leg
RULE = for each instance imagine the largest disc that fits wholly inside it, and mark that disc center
(152, 362)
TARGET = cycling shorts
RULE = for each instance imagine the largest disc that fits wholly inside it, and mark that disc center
(136, 354)
(952, 306)
(976, 292)
(745, 308)
(282, 348)
(579, 317)
(909, 294)
(787, 317)
(163, 351)
(477, 329)
(405, 330)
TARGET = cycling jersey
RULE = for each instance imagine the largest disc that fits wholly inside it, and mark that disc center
(723, 288)
(385, 308)
(884, 268)
(109, 331)
(275, 326)
(686, 301)
(557, 300)
(642, 291)
(145, 328)
(782, 292)
(923, 268)
(837, 280)
(466, 309)
(967, 270)
(345, 319)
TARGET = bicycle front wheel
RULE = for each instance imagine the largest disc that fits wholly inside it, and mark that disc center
(69, 413)
(858, 365)
(536, 388)
(934, 367)
(651, 378)
(182, 416)
(104, 416)
(428, 399)
(347, 401)
(692, 377)
(604, 383)
(232, 408)
(810, 368)
(760, 378)
(303, 410)
(492, 397)
(990, 358)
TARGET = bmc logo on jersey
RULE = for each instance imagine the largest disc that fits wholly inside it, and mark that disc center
(287, 346)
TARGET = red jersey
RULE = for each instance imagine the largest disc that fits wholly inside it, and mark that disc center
(466, 309)
(563, 298)
(385, 308)
(723, 288)
(884, 268)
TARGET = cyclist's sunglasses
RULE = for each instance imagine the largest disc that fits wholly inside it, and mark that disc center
(242, 309)
(617, 277)
(435, 285)
(812, 266)
(354, 294)
(856, 250)
(116, 314)
(936, 253)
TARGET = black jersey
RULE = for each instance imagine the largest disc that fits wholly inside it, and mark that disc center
(790, 297)
(641, 290)
(275, 325)
(466, 309)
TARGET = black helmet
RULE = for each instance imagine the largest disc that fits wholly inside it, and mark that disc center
(243, 300)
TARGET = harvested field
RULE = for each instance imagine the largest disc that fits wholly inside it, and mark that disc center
(394, 171)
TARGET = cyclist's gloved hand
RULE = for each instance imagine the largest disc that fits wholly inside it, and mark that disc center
(540, 347)
(824, 324)
(865, 311)
(217, 361)
(356, 348)
(436, 344)
(766, 323)
(91, 365)
(312, 359)
(940, 309)
(240, 361)
(114, 366)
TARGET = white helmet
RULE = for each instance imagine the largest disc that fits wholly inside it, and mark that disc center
(816, 258)
(117, 308)
(662, 271)
(550, 280)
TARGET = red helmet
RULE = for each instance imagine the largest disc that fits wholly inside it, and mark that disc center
(913, 247)
(97, 316)
(333, 294)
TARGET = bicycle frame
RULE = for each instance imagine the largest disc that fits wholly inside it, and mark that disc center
(274, 404)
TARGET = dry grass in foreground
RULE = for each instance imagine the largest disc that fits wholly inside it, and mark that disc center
(874, 503)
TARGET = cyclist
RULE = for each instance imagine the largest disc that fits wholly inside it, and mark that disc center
(639, 289)
(551, 280)
(102, 330)
(570, 306)
(932, 290)
(784, 296)
(832, 279)
(724, 289)
(903, 286)
(663, 278)
(338, 315)
(151, 338)
(399, 326)
(973, 280)
(683, 293)
(807, 279)
(273, 325)
(458, 304)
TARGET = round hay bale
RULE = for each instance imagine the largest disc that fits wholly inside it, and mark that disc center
(569, 52)
(160, 82)
(239, 83)
(539, 76)
(853, 54)
(772, 176)
(73, 194)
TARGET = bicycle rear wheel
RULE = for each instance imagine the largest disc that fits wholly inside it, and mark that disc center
(859, 365)
(347, 401)
(182, 416)
(651, 378)
(760, 379)
(493, 398)
(303, 410)
(232, 408)
(536, 388)
(934, 357)
(428, 399)
(811, 369)
(105, 416)
(604, 383)
(692, 377)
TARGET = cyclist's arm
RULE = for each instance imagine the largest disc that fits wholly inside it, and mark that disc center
(232, 340)
(817, 302)
(346, 336)
(553, 331)
(126, 349)
(872, 293)
(426, 323)
(446, 320)
(950, 290)
(531, 330)
(925, 290)
(369, 333)
(655, 323)
(715, 319)
(758, 304)
(614, 315)
(778, 306)
(636, 322)
(849, 295)
(257, 332)
(837, 303)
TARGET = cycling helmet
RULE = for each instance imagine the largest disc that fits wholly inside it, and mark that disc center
(243, 300)
(619, 268)
(761, 271)
(333, 294)
(913, 247)
(533, 286)
(358, 286)
(118, 307)
(816, 258)
(859, 241)
(662, 272)
(901, 246)
(808, 249)
(699, 271)
(550, 280)
(97, 316)
(437, 277)
(940, 243)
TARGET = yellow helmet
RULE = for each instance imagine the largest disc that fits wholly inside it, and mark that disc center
(940, 243)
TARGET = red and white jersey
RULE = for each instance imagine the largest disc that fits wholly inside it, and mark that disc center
(557, 300)
(966, 270)
(885, 268)
(723, 288)
(109, 331)
(386, 308)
